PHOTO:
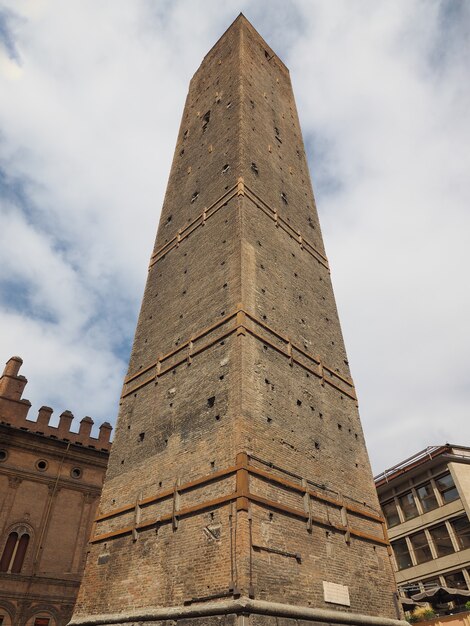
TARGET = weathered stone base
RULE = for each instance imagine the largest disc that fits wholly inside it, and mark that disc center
(240, 612)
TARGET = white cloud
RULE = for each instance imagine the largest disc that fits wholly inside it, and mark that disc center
(389, 100)
(92, 99)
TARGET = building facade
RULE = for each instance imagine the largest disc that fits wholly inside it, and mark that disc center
(239, 489)
(426, 504)
(50, 483)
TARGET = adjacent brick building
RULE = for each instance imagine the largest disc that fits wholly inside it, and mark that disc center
(426, 503)
(239, 489)
(50, 482)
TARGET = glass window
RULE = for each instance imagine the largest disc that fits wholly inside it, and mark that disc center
(408, 505)
(14, 553)
(421, 547)
(408, 590)
(426, 496)
(446, 486)
(402, 554)
(8, 552)
(442, 540)
(391, 513)
(430, 583)
(41, 621)
(456, 580)
(461, 527)
(20, 554)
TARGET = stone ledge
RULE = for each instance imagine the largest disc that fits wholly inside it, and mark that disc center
(243, 605)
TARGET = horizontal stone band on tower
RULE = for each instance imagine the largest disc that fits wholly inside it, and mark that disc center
(186, 351)
(243, 494)
(240, 189)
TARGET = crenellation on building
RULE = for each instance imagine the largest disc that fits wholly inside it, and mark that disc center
(50, 483)
(14, 411)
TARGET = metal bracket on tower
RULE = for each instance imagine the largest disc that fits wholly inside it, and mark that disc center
(190, 351)
(176, 504)
(307, 505)
(136, 517)
(289, 353)
(321, 371)
(345, 522)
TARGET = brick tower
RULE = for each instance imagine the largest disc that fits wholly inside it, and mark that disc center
(239, 489)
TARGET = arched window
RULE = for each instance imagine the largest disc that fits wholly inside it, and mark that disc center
(6, 613)
(21, 548)
(8, 552)
(14, 551)
(43, 618)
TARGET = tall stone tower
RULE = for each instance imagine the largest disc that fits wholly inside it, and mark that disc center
(239, 489)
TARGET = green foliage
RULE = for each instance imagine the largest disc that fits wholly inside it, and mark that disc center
(421, 614)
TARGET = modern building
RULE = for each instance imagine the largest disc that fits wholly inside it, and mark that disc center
(50, 483)
(239, 490)
(426, 503)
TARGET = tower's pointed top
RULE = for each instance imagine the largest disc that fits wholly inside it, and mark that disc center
(242, 21)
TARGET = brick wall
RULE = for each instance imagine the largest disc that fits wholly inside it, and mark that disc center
(239, 465)
(50, 483)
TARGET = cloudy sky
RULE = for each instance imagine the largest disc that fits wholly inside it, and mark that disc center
(91, 95)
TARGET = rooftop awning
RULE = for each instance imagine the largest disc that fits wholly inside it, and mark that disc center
(442, 594)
